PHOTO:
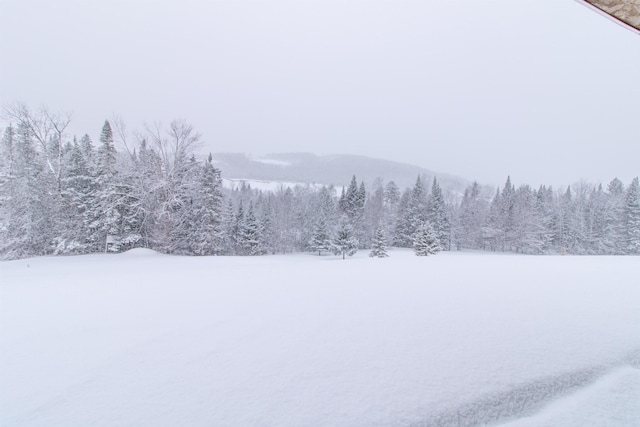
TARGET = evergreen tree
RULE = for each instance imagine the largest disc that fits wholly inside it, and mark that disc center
(264, 213)
(544, 208)
(403, 232)
(303, 217)
(228, 229)
(614, 217)
(417, 208)
(349, 203)
(412, 213)
(437, 215)
(106, 151)
(206, 232)
(284, 233)
(492, 232)
(321, 238)
(528, 227)
(392, 196)
(327, 208)
(86, 147)
(249, 234)
(426, 241)
(360, 198)
(507, 212)
(104, 216)
(236, 231)
(360, 225)
(77, 196)
(565, 222)
(28, 198)
(379, 245)
(472, 214)
(374, 212)
(632, 218)
(342, 201)
(345, 241)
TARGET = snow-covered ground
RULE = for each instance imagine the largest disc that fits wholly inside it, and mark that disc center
(141, 339)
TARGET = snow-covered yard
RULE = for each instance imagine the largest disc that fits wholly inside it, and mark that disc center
(141, 339)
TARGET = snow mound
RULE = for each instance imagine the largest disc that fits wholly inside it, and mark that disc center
(140, 252)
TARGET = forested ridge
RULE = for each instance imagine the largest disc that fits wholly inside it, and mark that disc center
(61, 195)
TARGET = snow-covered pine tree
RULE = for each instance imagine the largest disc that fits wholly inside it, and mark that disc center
(249, 234)
(345, 242)
(361, 198)
(528, 228)
(632, 218)
(379, 244)
(391, 200)
(7, 154)
(104, 215)
(614, 217)
(77, 188)
(417, 208)
(107, 150)
(283, 233)
(573, 206)
(349, 203)
(492, 229)
(426, 241)
(303, 218)
(374, 212)
(391, 194)
(342, 201)
(507, 211)
(360, 225)
(437, 215)
(321, 238)
(265, 214)
(236, 230)
(27, 198)
(594, 218)
(228, 228)
(412, 212)
(403, 231)
(544, 207)
(206, 235)
(472, 214)
(327, 205)
(86, 147)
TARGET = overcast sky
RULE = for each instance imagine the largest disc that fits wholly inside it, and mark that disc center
(544, 90)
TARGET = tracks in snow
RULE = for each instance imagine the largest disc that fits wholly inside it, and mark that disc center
(525, 399)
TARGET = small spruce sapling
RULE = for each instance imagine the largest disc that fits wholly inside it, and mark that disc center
(345, 242)
(379, 247)
(425, 241)
(320, 240)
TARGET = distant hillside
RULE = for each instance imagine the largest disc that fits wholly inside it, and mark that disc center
(333, 169)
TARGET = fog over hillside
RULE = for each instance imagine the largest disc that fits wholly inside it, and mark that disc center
(327, 170)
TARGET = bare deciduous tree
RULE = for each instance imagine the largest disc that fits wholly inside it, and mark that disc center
(48, 130)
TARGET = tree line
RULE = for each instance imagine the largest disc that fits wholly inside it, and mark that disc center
(71, 196)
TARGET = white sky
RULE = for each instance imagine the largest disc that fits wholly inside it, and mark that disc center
(544, 90)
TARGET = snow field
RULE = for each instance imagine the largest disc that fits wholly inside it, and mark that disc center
(453, 339)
